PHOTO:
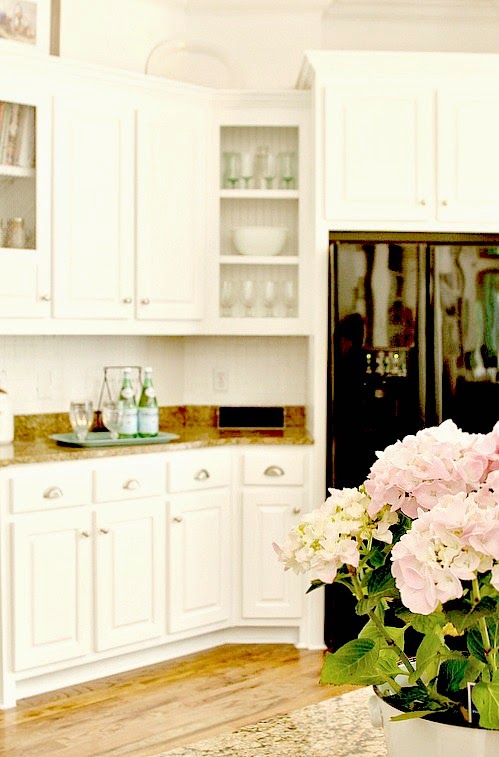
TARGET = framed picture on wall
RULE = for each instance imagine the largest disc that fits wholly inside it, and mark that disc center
(27, 23)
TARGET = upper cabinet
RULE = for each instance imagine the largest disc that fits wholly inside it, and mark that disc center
(260, 183)
(409, 141)
(25, 205)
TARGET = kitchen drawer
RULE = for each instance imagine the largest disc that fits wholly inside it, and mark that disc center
(204, 469)
(274, 468)
(131, 481)
(50, 489)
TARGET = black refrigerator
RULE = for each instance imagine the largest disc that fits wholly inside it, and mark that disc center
(413, 340)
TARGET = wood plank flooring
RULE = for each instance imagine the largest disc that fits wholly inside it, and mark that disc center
(149, 711)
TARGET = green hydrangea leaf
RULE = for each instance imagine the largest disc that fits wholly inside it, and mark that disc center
(355, 662)
(486, 699)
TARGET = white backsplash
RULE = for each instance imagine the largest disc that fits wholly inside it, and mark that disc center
(43, 373)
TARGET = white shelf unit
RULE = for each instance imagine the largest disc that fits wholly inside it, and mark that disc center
(249, 206)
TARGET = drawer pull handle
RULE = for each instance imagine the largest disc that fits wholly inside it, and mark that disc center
(132, 484)
(273, 471)
(202, 475)
(177, 519)
(86, 534)
(104, 530)
(54, 492)
(297, 510)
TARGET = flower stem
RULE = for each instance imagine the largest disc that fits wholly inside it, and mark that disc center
(484, 631)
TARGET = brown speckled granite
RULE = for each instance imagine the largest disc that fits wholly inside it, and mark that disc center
(336, 727)
(195, 426)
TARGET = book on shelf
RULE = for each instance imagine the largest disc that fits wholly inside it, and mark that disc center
(17, 135)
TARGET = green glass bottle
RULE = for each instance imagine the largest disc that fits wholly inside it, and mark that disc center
(148, 407)
(128, 428)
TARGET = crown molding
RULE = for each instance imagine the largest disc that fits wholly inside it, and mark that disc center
(411, 9)
(250, 6)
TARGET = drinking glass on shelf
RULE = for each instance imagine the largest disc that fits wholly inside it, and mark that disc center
(81, 416)
(269, 170)
(289, 296)
(248, 296)
(269, 292)
(112, 416)
(286, 162)
(246, 168)
(227, 296)
(232, 168)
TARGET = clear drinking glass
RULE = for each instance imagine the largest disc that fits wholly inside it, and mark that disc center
(269, 293)
(232, 168)
(289, 296)
(248, 296)
(247, 166)
(81, 416)
(227, 296)
(286, 164)
(112, 416)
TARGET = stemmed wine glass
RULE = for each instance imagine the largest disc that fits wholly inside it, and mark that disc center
(227, 296)
(268, 170)
(269, 292)
(246, 168)
(289, 297)
(112, 416)
(286, 168)
(81, 416)
(232, 168)
(248, 296)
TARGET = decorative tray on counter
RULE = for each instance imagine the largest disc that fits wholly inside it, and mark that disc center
(103, 439)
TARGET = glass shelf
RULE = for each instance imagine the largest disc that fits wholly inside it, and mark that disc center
(259, 194)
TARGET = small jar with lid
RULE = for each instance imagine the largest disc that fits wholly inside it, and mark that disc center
(16, 233)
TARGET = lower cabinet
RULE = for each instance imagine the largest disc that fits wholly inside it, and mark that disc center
(129, 572)
(199, 571)
(51, 587)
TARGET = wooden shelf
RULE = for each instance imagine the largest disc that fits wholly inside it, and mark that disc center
(259, 194)
(258, 259)
(16, 172)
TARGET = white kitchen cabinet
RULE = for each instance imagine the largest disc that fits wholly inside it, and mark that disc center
(25, 199)
(199, 543)
(416, 152)
(94, 211)
(129, 571)
(51, 587)
(199, 572)
(259, 292)
(273, 501)
(172, 136)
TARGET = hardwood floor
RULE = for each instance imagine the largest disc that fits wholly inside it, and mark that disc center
(154, 709)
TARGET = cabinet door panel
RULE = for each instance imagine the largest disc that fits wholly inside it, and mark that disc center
(51, 587)
(130, 565)
(468, 155)
(94, 207)
(171, 188)
(268, 590)
(199, 568)
(379, 153)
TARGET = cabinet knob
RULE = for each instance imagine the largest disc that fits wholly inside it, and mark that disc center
(45, 298)
(127, 300)
(53, 492)
(297, 510)
(202, 475)
(177, 519)
(422, 202)
(86, 534)
(273, 471)
(145, 301)
(444, 203)
(103, 530)
(131, 485)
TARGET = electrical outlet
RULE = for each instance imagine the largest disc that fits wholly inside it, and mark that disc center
(220, 380)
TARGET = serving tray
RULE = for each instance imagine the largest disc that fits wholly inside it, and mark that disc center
(103, 439)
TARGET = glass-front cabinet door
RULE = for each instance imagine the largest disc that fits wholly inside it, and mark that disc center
(24, 204)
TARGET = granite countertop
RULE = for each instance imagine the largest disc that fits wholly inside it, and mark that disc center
(196, 428)
(336, 727)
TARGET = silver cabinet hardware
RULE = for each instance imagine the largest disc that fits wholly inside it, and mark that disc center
(127, 300)
(145, 301)
(86, 534)
(297, 510)
(177, 519)
(422, 202)
(45, 298)
(444, 203)
(201, 475)
(273, 471)
(131, 485)
(104, 530)
(53, 492)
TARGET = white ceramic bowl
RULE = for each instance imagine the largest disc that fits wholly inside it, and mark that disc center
(259, 240)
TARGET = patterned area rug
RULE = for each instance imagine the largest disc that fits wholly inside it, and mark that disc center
(336, 727)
